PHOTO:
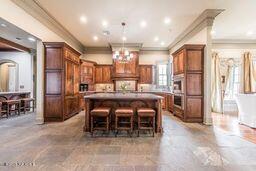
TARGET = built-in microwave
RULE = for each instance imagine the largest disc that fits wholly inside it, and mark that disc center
(179, 101)
(178, 86)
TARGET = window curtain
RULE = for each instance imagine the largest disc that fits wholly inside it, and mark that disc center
(227, 68)
(249, 74)
(216, 84)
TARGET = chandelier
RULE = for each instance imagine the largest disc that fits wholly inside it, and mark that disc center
(122, 55)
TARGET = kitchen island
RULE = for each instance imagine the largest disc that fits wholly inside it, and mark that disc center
(115, 100)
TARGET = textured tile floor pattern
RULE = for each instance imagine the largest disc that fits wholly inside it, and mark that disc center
(64, 146)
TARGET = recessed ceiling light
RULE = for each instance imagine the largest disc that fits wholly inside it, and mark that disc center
(156, 39)
(3, 25)
(143, 24)
(32, 39)
(83, 19)
(95, 38)
(162, 43)
(249, 33)
(104, 23)
(167, 20)
(106, 32)
(124, 38)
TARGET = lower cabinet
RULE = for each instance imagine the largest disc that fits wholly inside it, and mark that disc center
(170, 101)
(81, 99)
(71, 106)
(164, 100)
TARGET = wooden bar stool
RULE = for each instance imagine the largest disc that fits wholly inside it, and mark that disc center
(12, 106)
(97, 114)
(26, 104)
(3, 110)
(144, 113)
(124, 113)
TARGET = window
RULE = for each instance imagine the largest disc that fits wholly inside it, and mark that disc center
(162, 74)
(233, 84)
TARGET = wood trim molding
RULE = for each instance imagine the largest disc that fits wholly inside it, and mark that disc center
(33, 8)
(205, 19)
(14, 46)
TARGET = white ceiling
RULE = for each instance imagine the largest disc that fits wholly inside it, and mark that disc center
(15, 34)
(238, 18)
(233, 23)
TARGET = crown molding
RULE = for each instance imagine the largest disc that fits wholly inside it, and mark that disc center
(203, 20)
(128, 46)
(142, 50)
(33, 8)
(234, 41)
(233, 44)
(98, 50)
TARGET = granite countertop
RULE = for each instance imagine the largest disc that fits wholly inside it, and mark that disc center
(149, 91)
(128, 96)
(15, 92)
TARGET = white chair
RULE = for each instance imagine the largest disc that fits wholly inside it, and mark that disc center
(247, 109)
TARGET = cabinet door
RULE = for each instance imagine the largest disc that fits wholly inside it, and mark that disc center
(119, 67)
(98, 75)
(170, 103)
(106, 74)
(146, 74)
(142, 74)
(181, 62)
(76, 78)
(175, 64)
(69, 74)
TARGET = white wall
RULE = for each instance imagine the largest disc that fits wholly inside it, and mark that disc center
(198, 38)
(25, 67)
(234, 51)
(145, 57)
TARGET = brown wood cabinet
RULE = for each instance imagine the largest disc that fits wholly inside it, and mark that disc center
(81, 99)
(62, 78)
(164, 100)
(170, 102)
(87, 73)
(146, 74)
(178, 62)
(103, 74)
(129, 69)
(188, 66)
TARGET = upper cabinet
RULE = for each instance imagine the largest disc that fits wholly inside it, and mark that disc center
(129, 69)
(178, 62)
(103, 74)
(87, 69)
(146, 74)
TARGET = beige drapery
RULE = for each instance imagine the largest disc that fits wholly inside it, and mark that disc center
(249, 73)
(216, 84)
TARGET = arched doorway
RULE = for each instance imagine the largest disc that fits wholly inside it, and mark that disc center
(9, 79)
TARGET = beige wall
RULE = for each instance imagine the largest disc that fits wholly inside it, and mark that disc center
(145, 57)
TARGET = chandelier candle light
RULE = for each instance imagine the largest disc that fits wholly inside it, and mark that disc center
(123, 55)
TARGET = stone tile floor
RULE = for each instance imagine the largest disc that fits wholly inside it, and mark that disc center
(64, 146)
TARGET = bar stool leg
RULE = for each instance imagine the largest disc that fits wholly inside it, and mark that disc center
(131, 126)
(116, 122)
(138, 126)
(33, 109)
(8, 110)
(154, 126)
(107, 124)
(19, 105)
(91, 126)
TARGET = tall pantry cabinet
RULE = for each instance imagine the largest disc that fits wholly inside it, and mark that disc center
(62, 78)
